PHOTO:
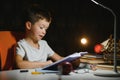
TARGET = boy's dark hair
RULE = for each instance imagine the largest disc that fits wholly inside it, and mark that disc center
(34, 13)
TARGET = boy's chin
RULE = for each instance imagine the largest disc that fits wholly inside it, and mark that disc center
(39, 39)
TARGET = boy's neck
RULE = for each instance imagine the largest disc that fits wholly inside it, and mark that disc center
(32, 42)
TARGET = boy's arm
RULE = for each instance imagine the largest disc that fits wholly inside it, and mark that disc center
(56, 57)
(22, 64)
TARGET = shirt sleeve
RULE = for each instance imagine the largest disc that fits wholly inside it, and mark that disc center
(20, 49)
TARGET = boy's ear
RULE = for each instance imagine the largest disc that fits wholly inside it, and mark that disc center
(28, 25)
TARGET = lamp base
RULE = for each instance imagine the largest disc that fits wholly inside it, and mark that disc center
(107, 73)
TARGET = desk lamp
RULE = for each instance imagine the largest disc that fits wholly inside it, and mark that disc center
(114, 73)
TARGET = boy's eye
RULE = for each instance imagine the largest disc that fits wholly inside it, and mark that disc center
(41, 27)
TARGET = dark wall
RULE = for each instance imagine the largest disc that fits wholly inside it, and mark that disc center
(72, 19)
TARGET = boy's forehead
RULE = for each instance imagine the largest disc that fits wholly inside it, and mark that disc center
(43, 22)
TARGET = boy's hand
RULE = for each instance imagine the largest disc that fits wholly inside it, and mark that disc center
(76, 63)
(49, 62)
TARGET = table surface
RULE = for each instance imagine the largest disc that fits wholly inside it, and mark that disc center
(80, 74)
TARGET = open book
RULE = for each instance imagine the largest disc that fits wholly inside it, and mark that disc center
(69, 58)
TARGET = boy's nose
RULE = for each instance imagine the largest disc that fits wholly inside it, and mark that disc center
(44, 31)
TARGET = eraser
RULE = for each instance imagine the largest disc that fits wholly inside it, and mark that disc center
(23, 70)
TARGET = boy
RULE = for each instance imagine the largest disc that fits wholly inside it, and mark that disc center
(32, 51)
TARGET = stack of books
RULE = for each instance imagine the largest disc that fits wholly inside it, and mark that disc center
(92, 59)
(99, 61)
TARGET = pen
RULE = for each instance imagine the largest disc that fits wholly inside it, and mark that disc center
(36, 72)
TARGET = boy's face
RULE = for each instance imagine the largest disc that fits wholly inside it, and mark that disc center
(38, 29)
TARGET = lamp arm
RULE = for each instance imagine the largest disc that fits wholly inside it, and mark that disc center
(115, 31)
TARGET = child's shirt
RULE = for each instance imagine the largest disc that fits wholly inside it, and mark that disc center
(31, 53)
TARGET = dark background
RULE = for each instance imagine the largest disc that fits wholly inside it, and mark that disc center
(72, 19)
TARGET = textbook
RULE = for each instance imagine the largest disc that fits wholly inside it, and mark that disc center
(69, 58)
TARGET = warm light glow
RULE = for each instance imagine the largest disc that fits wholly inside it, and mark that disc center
(84, 41)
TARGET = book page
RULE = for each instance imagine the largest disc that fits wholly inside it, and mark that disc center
(69, 58)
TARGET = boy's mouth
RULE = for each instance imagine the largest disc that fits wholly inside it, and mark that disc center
(41, 36)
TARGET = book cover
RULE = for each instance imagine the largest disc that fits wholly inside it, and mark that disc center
(69, 58)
